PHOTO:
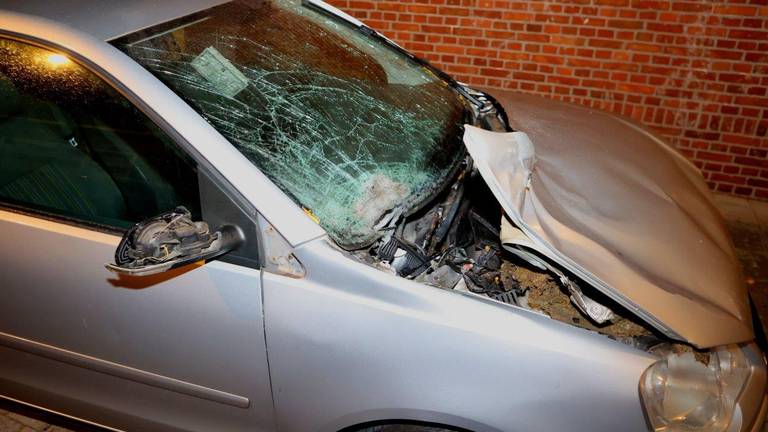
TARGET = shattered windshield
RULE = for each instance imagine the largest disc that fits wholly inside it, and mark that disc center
(349, 127)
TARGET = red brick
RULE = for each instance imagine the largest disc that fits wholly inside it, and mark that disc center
(695, 71)
(625, 24)
(690, 7)
(751, 161)
(724, 188)
(644, 47)
(726, 178)
(528, 76)
(758, 183)
(418, 8)
(756, 101)
(710, 156)
(735, 10)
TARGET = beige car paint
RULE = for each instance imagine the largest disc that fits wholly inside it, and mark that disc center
(621, 209)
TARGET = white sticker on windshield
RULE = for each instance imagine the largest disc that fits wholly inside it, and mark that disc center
(217, 70)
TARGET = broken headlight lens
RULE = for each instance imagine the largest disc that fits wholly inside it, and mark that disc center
(682, 393)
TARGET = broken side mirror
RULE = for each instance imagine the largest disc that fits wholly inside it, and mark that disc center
(171, 240)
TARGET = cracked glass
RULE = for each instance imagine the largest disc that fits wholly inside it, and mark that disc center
(349, 127)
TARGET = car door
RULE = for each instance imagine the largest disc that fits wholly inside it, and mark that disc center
(180, 350)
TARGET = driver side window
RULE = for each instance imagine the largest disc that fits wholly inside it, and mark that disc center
(73, 147)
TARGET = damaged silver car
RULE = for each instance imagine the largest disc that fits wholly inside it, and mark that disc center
(264, 215)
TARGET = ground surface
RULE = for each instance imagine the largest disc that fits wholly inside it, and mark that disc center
(747, 221)
(748, 224)
(13, 422)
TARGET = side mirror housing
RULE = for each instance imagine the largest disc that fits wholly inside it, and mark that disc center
(171, 240)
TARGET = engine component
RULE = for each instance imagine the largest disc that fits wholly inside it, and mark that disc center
(441, 277)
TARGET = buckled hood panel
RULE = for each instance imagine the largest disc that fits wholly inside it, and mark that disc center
(619, 208)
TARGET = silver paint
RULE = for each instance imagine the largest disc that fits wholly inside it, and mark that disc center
(345, 343)
(199, 330)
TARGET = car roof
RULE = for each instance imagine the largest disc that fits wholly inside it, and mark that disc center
(108, 19)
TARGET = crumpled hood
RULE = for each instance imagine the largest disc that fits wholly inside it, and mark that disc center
(612, 203)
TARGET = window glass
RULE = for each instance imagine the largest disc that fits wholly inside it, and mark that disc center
(72, 146)
(350, 128)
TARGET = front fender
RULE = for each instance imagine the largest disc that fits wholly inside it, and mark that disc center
(349, 343)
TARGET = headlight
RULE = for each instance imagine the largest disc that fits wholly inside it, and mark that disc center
(681, 393)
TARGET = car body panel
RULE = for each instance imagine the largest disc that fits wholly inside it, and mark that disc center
(350, 344)
(191, 340)
(621, 209)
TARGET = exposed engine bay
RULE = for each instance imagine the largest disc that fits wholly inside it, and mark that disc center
(454, 242)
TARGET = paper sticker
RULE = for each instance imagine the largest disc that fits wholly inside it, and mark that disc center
(217, 70)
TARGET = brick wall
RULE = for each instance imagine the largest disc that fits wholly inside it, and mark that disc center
(696, 71)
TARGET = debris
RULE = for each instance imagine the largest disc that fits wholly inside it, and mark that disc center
(379, 194)
(548, 296)
(311, 215)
